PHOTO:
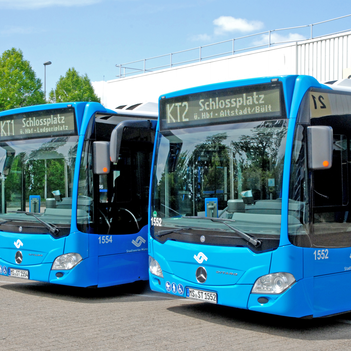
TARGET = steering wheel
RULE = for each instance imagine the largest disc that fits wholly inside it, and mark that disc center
(107, 221)
(131, 214)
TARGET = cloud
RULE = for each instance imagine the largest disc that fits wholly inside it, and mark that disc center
(228, 24)
(37, 4)
(9, 30)
(278, 38)
(201, 37)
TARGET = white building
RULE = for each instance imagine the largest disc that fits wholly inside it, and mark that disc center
(326, 58)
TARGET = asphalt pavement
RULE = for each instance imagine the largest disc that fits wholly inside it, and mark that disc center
(38, 316)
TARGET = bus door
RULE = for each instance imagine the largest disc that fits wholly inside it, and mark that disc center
(323, 193)
(123, 207)
(328, 260)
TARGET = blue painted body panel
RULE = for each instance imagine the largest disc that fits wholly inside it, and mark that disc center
(124, 260)
(322, 286)
(236, 295)
(39, 252)
(117, 262)
(295, 302)
(178, 259)
(331, 280)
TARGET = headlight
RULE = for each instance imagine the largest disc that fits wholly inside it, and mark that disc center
(155, 267)
(274, 283)
(67, 261)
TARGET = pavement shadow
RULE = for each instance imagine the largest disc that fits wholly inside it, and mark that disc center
(332, 328)
(137, 291)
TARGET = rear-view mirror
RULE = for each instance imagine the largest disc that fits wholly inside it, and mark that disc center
(101, 150)
(320, 147)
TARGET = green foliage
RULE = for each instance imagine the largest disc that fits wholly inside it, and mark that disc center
(14, 181)
(37, 171)
(18, 83)
(35, 177)
(257, 156)
(73, 87)
(221, 166)
(55, 175)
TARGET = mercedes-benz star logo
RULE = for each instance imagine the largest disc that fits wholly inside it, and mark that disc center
(201, 275)
(18, 257)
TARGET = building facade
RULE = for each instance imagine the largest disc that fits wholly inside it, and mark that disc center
(325, 58)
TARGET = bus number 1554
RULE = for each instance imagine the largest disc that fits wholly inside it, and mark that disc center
(105, 239)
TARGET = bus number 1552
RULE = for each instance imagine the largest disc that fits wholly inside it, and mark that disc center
(321, 254)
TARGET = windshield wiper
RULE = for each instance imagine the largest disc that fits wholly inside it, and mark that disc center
(51, 227)
(5, 221)
(170, 231)
(253, 241)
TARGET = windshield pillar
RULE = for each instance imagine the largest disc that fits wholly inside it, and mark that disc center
(2, 179)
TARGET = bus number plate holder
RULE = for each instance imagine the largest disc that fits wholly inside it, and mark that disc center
(18, 273)
(201, 295)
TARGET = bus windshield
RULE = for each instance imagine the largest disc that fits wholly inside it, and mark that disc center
(219, 181)
(36, 184)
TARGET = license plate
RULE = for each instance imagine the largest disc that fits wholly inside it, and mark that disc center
(18, 273)
(201, 295)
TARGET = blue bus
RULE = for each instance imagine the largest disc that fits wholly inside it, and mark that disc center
(250, 205)
(74, 184)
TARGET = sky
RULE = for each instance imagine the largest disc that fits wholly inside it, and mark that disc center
(94, 35)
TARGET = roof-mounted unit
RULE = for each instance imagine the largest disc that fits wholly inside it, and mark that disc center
(342, 84)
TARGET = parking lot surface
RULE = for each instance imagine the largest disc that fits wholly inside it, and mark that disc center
(38, 316)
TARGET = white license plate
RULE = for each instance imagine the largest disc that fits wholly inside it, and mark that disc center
(18, 273)
(201, 295)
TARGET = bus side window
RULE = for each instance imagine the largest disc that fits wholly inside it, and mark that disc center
(331, 185)
(121, 189)
(123, 211)
(331, 196)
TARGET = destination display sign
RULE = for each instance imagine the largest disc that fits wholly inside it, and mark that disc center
(38, 124)
(328, 103)
(263, 101)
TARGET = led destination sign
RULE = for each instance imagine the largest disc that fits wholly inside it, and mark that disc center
(38, 124)
(223, 106)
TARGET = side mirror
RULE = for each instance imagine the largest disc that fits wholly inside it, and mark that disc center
(101, 150)
(115, 142)
(117, 135)
(320, 147)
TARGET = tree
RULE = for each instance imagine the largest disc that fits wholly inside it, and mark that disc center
(18, 83)
(258, 155)
(73, 87)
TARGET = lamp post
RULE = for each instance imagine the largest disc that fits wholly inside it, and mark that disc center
(47, 63)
